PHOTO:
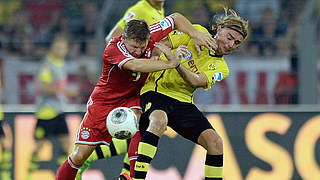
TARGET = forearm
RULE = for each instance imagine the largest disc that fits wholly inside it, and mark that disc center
(147, 65)
(183, 24)
(194, 79)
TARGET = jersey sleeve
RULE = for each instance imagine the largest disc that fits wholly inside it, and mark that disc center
(117, 54)
(161, 29)
(215, 72)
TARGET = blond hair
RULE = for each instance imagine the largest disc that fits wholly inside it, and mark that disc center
(231, 20)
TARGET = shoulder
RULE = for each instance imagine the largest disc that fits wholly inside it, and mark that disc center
(138, 8)
(116, 47)
(200, 28)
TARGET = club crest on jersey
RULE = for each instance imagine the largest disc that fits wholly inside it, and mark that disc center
(212, 67)
(188, 56)
(217, 77)
(130, 16)
(164, 23)
(85, 133)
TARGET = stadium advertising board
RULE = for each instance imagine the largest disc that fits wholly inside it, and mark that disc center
(257, 145)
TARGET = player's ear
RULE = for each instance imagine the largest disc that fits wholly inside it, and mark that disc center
(123, 37)
(219, 28)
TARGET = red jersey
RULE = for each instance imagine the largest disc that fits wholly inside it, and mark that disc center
(116, 83)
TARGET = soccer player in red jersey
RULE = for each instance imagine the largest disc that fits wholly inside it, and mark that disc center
(125, 63)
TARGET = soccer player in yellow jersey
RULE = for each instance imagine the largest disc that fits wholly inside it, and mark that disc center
(149, 10)
(167, 95)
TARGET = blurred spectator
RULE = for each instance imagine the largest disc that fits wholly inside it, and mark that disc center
(7, 9)
(252, 9)
(87, 31)
(41, 11)
(265, 34)
(201, 16)
(52, 99)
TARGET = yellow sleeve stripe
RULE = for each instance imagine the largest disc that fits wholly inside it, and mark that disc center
(213, 172)
(147, 149)
(141, 166)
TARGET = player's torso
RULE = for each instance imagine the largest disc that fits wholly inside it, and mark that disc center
(49, 104)
(170, 82)
(116, 83)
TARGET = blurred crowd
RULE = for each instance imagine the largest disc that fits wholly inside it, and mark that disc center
(28, 26)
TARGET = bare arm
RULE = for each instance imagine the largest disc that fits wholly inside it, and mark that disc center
(199, 38)
(194, 79)
(147, 65)
(115, 32)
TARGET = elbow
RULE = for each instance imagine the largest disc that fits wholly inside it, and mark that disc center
(195, 85)
(198, 84)
(176, 16)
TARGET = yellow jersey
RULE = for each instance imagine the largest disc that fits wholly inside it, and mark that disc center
(141, 10)
(170, 83)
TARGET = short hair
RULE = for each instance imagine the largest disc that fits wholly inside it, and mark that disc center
(231, 20)
(137, 29)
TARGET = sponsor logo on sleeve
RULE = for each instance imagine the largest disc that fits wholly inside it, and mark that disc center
(217, 77)
(130, 16)
(165, 24)
(188, 56)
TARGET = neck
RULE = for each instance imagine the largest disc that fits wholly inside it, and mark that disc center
(157, 5)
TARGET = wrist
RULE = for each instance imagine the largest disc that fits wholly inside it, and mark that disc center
(193, 33)
(178, 66)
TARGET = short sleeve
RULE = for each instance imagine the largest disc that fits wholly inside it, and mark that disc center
(215, 72)
(117, 54)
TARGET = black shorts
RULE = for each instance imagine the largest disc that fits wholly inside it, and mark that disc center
(52, 127)
(185, 118)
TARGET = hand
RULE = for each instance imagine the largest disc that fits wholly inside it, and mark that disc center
(204, 39)
(181, 51)
(167, 52)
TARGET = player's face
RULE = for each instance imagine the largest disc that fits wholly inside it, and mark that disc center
(136, 48)
(60, 49)
(228, 40)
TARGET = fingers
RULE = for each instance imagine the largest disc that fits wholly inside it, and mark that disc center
(181, 51)
(206, 40)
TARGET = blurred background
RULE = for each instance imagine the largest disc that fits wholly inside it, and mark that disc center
(275, 71)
